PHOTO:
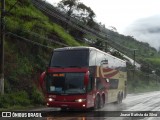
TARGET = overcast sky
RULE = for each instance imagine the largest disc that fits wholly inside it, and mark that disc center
(128, 17)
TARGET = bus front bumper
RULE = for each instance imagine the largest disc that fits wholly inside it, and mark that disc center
(71, 105)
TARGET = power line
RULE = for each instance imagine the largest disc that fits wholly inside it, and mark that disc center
(47, 39)
(78, 26)
(38, 36)
(30, 41)
(44, 38)
(12, 6)
(84, 28)
(81, 27)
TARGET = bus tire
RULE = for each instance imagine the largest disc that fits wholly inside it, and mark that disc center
(119, 98)
(97, 102)
(102, 101)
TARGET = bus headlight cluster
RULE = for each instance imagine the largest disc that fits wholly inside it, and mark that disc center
(80, 100)
(50, 99)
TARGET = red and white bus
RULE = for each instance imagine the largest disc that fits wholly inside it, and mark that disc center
(83, 77)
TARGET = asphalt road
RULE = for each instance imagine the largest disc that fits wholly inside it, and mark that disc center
(143, 106)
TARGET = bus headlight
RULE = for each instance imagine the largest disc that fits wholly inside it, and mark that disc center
(80, 100)
(50, 99)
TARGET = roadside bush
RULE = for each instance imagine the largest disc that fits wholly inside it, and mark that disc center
(14, 99)
(36, 96)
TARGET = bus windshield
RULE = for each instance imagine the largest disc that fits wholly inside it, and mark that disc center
(70, 58)
(65, 83)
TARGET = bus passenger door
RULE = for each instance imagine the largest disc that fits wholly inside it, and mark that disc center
(90, 92)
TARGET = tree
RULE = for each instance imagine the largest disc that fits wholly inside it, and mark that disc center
(145, 67)
(78, 10)
(113, 28)
(68, 6)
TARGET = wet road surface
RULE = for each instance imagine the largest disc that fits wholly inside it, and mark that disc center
(134, 104)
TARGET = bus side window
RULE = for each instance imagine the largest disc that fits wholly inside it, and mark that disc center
(125, 83)
(113, 83)
(92, 58)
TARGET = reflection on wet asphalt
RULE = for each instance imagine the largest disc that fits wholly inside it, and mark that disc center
(134, 102)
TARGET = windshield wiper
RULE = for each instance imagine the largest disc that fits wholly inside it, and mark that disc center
(74, 66)
(57, 66)
(71, 66)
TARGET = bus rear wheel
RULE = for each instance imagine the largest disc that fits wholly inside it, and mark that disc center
(97, 104)
(102, 101)
(119, 98)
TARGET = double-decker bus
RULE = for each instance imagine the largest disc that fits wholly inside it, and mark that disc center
(83, 77)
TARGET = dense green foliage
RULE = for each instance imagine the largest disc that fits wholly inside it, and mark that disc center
(25, 60)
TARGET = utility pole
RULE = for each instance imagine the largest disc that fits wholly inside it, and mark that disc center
(2, 32)
(134, 63)
(134, 57)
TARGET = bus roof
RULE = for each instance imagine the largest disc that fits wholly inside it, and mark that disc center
(74, 48)
(86, 48)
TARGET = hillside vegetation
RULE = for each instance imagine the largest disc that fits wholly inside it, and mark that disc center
(30, 39)
(125, 44)
(31, 35)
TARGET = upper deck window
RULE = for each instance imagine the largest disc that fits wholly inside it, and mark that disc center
(70, 58)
